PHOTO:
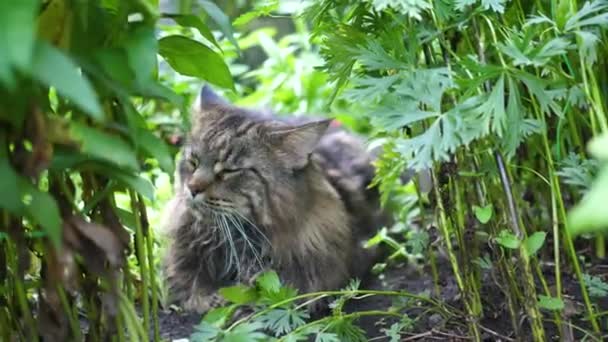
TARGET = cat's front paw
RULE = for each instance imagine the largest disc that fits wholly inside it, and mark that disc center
(203, 303)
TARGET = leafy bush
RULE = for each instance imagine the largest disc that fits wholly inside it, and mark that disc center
(79, 96)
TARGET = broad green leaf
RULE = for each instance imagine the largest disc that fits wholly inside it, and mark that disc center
(534, 242)
(135, 182)
(483, 214)
(191, 58)
(22, 197)
(550, 303)
(16, 36)
(51, 67)
(43, 210)
(269, 281)
(189, 20)
(222, 21)
(9, 183)
(115, 64)
(104, 146)
(141, 47)
(508, 240)
(239, 294)
(590, 214)
(54, 23)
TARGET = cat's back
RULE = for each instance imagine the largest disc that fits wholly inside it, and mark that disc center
(347, 164)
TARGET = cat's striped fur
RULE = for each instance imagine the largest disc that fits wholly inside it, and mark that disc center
(256, 193)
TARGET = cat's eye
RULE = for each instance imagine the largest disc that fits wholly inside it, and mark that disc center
(228, 173)
(192, 162)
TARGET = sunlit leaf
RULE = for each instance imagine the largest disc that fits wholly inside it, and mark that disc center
(550, 303)
(534, 242)
(269, 281)
(483, 214)
(191, 58)
(239, 294)
(508, 240)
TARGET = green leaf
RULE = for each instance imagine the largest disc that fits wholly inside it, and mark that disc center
(219, 316)
(222, 21)
(592, 13)
(508, 240)
(9, 183)
(534, 242)
(135, 182)
(269, 281)
(51, 67)
(104, 146)
(16, 36)
(141, 47)
(205, 332)
(190, 20)
(550, 303)
(483, 214)
(156, 148)
(590, 215)
(484, 262)
(282, 321)
(26, 199)
(598, 147)
(191, 58)
(596, 286)
(246, 332)
(239, 294)
(43, 210)
(263, 8)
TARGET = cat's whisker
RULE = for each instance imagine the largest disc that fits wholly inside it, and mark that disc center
(239, 226)
(253, 225)
(233, 256)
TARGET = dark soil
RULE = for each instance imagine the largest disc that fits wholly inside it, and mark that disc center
(430, 325)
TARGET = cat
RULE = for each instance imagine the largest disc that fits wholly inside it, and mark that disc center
(255, 192)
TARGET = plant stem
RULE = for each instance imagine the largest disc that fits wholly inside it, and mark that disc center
(140, 248)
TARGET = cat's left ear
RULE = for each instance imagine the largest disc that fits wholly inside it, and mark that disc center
(208, 99)
(295, 144)
(202, 110)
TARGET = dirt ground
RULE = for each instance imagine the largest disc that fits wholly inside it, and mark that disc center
(430, 326)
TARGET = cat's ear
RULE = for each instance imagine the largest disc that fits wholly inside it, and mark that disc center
(293, 145)
(208, 99)
(202, 111)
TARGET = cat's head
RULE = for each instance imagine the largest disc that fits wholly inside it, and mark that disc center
(242, 161)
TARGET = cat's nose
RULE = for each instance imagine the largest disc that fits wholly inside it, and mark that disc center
(197, 187)
(199, 182)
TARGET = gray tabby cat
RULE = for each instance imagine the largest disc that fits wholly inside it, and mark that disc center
(255, 192)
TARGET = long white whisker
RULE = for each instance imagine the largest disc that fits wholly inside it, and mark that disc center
(233, 255)
(239, 226)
